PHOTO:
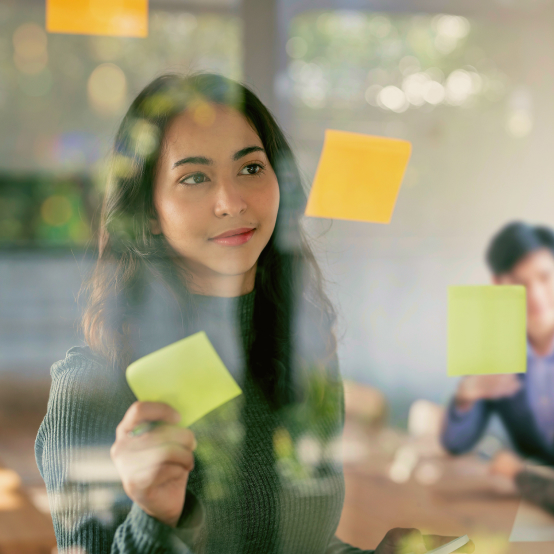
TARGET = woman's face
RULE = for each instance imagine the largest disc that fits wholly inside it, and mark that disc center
(216, 197)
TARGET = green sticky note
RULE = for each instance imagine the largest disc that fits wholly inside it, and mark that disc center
(188, 375)
(487, 330)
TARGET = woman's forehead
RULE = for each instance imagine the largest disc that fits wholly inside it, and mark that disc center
(217, 137)
(209, 124)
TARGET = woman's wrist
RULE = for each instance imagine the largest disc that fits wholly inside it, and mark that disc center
(170, 522)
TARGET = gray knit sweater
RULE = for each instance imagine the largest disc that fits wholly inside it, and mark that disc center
(265, 481)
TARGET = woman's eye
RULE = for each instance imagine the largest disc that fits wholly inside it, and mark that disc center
(252, 169)
(194, 179)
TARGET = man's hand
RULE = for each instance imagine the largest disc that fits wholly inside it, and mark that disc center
(411, 541)
(506, 464)
(480, 387)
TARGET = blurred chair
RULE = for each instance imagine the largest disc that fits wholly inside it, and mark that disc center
(422, 453)
(23, 529)
(365, 406)
(425, 419)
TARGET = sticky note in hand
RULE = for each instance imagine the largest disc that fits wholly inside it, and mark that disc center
(451, 546)
(358, 177)
(124, 18)
(188, 375)
(486, 330)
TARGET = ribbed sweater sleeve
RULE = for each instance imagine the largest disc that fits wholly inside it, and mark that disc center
(91, 512)
(336, 546)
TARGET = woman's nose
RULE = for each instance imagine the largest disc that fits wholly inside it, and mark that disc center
(229, 200)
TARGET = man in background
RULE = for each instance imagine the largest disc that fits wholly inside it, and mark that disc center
(519, 254)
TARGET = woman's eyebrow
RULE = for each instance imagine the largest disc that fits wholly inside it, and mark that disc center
(208, 161)
(245, 151)
(193, 160)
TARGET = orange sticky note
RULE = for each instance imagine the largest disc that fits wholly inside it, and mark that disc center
(358, 177)
(122, 18)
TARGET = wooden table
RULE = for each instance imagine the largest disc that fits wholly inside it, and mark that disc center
(463, 500)
(23, 528)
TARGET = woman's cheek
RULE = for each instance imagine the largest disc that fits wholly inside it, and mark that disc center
(272, 203)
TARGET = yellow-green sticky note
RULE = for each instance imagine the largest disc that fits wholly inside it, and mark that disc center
(188, 375)
(358, 177)
(487, 329)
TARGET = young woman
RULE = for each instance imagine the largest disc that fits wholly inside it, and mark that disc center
(200, 230)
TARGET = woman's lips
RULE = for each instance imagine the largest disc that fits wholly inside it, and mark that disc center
(234, 238)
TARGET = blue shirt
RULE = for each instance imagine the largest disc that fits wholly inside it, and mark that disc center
(540, 391)
(528, 415)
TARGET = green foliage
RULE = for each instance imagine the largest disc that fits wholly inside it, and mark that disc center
(42, 210)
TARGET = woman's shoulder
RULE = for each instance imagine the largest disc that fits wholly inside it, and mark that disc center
(87, 400)
(82, 366)
(76, 359)
(84, 384)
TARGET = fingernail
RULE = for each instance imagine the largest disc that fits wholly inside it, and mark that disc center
(142, 428)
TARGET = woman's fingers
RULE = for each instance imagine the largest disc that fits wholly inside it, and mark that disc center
(164, 443)
(154, 462)
(160, 454)
(143, 412)
(434, 541)
(402, 541)
(164, 434)
(411, 541)
(156, 466)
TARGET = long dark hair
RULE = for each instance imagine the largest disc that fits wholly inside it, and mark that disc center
(287, 272)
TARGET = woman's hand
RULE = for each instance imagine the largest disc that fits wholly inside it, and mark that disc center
(411, 541)
(154, 467)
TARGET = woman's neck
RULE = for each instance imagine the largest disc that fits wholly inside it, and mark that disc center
(216, 284)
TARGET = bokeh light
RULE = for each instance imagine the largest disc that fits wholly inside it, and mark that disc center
(30, 48)
(203, 113)
(380, 26)
(519, 123)
(520, 116)
(459, 87)
(405, 460)
(146, 137)
(107, 89)
(56, 210)
(393, 98)
(428, 473)
(296, 47)
(450, 30)
(372, 94)
(10, 498)
(418, 61)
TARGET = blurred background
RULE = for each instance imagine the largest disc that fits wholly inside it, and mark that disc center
(469, 83)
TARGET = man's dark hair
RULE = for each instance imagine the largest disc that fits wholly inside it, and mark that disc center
(514, 242)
